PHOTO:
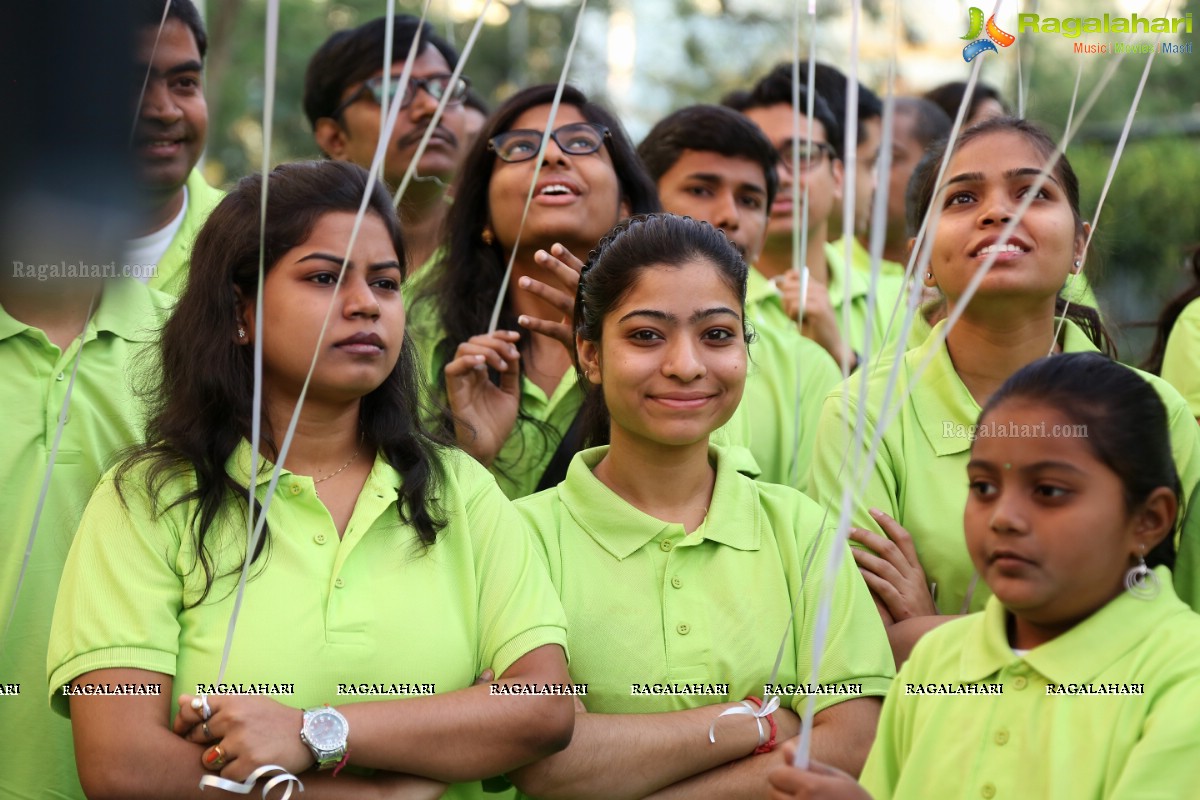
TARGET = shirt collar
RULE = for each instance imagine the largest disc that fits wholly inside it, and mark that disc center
(128, 309)
(759, 288)
(618, 527)
(946, 409)
(1078, 655)
(383, 479)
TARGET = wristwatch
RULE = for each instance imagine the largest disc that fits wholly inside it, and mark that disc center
(325, 732)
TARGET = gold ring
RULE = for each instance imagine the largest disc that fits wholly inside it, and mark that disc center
(207, 732)
(213, 758)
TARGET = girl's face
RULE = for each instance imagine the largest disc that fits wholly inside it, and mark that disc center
(1046, 521)
(988, 178)
(577, 199)
(366, 328)
(672, 358)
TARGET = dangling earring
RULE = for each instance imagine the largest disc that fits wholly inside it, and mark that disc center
(487, 237)
(241, 333)
(1141, 581)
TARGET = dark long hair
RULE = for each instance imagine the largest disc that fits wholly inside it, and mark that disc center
(1092, 390)
(1166, 321)
(468, 278)
(920, 195)
(612, 269)
(200, 410)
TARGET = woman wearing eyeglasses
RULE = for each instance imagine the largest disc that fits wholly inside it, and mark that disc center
(511, 396)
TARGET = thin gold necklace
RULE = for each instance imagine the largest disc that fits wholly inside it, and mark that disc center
(357, 450)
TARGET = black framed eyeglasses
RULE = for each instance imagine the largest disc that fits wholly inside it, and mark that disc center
(576, 139)
(808, 158)
(436, 86)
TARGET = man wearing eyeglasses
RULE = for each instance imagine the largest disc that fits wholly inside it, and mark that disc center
(831, 283)
(344, 97)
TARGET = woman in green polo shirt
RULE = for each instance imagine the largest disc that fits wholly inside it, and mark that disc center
(392, 570)
(510, 398)
(678, 573)
(914, 490)
(1080, 679)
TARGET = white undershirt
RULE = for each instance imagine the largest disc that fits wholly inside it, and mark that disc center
(145, 251)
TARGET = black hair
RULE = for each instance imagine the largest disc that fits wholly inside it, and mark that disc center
(775, 88)
(612, 270)
(830, 83)
(353, 55)
(150, 12)
(1106, 397)
(202, 405)
(473, 100)
(921, 188)
(467, 279)
(1170, 313)
(929, 122)
(713, 129)
(948, 97)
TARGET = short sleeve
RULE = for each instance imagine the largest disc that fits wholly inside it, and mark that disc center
(519, 611)
(121, 595)
(1181, 360)
(881, 773)
(856, 645)
(1163, 763)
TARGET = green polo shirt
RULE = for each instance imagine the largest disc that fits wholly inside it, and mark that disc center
(649, 605)
(171, 276)
(1181, 360)
(782, 362)
(104, 416)
(853, 287)
(860, 259)
(920, 475)
(320, 613)
(1026, 743)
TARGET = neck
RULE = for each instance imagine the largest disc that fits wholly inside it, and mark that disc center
(671, 483)
(776, 258)
(327, 435)
(421, 218)
(987, 350)
(59, 309)
(159, 211)
(895, 245)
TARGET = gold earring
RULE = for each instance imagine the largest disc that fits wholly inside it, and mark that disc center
(488, 237)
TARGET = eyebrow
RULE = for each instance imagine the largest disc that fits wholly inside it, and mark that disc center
(712, 177)
(382, 265)
(673, 319)
(977, 463)
(1020, 172)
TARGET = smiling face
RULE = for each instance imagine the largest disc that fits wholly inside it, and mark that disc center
(726, 192)
(172, 120)
(355, 135)
(671, 363)
(577, 199)
(366, 329)
(1046, 521)
(988, 179)
(824, 179)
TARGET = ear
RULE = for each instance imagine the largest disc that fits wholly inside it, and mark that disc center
(623, 210)
(1154, 520)
(589, 359)
(1080, 243)
(839, 177)
(331, 138)
(244, 309)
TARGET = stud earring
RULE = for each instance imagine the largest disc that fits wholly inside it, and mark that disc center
(241, 333)
(928, 276)
(1141, 581)
(1078, 265)
(487, 237)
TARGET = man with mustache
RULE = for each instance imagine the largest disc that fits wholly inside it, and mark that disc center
(168, 140)
(343, 94)
(713, 164)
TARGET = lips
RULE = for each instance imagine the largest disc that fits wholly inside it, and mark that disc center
(367, 344)
(1013, 248)
(441, 134)
(159, 143)
(1009, 558)
(556, 190)
(683, 400)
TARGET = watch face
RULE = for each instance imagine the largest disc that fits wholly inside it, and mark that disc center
(326, 730)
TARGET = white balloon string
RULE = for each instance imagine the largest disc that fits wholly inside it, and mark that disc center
(389, 37)
(281, 776)
(137, 109)
(541, 155)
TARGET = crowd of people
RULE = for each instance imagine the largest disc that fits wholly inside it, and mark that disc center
(589, 548)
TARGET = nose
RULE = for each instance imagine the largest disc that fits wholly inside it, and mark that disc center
(422, 104)
(996, 208)
(554, 154)
(785, 174)
(1008, 516)
(158, 103)
(684, 361)
(726, 214)
(358, 298)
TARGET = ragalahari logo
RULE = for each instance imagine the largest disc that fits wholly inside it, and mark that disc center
(994, 37)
